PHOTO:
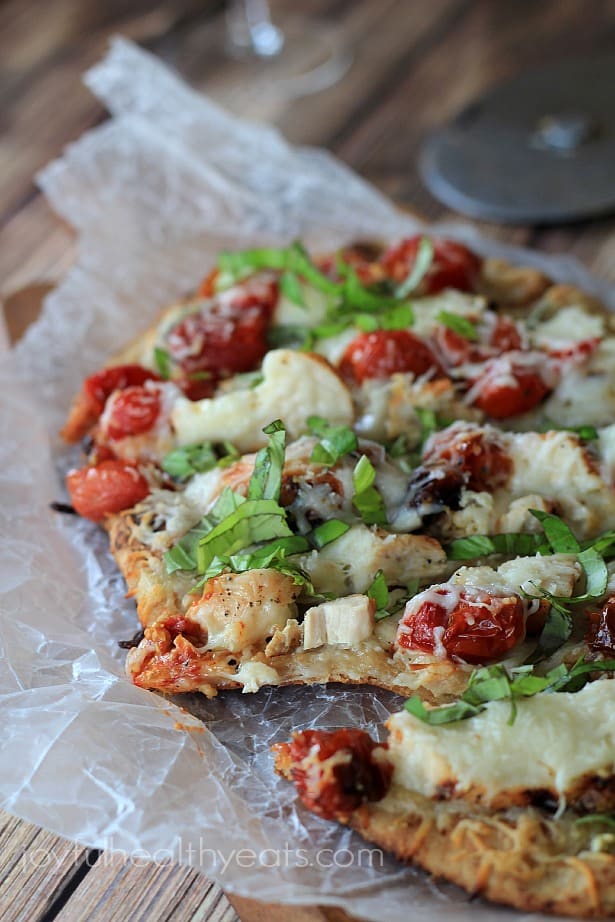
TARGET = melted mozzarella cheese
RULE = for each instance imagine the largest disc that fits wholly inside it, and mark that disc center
(350, 563)
(567, 325)
(295, 385)
(555, 573)
(554, 741)
(238, 610)
(556, 466)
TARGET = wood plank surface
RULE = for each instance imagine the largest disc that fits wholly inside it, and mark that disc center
(416, 63)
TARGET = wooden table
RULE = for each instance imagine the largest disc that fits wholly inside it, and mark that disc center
(416, 62)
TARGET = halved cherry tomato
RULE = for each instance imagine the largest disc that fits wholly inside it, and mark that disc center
(132, 411)
(351, 777)
(99, 387)
(453, 265)
(230, 336)
(480, 627)
(106, 488)
(511, 394)
(384, 352)
(505, 336)
(456, 349)
(474, 453)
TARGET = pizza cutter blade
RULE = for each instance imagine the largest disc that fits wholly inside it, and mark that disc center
(538, 149)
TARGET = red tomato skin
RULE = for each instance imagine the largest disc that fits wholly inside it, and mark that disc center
(229, 337)
(500, 401)
(384, 352)
(99, 386)
(478, 629)
(106, 488)
(480, 458)
(132, 412)
(350, 782)
(505, 336)
(453, 265)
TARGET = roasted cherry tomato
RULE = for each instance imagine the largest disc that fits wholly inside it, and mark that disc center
(511, 393)
(453, 265)
(384, 352)
(227, 338)
(474, 453)
(106, 488)
(457, 350)
(100, 386)
(468, 624)
(334, 771)
(132, 411)
(505, 336)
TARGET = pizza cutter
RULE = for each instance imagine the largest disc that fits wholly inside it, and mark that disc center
(538, 149)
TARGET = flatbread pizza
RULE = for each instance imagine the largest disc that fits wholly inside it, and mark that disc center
(394, 466)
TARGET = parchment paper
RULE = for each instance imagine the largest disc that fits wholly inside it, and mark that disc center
(153, 194)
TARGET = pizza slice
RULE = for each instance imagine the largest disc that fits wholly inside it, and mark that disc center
(508, 792)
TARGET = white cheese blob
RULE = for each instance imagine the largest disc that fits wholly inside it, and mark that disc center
(238, 610)
(295, 385)
(554, 740)
(556, 466)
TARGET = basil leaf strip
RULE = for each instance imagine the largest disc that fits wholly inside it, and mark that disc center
(496, 683)
(367, 499)
(378, 591)
(458, 324)
(290, 287)
(327, 532)
(422, 264)
(253, 521)
(335, 441)
(266, 479)
(558, 534)
(182, 463)
(163, 362)
(519, 544)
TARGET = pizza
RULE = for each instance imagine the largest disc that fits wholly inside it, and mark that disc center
(390, 466)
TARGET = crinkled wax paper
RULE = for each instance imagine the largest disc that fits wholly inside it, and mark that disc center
(153, 194)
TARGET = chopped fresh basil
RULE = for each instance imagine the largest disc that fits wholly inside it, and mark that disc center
(601, 819)
(397, 317)
(327, 532)
(368, 323)
(556, 631)
(266, 479)
(585, 433)
(367, 499)
(253, 521)
(335, 441)
(286, 334)
(496, 683)
(378, 591)
(290, 286)
(294, 259)
(558, 534)
(395, 606)
(422, 264)
(458, 324)
(513, 543)
(182, 463)
(163, 362)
